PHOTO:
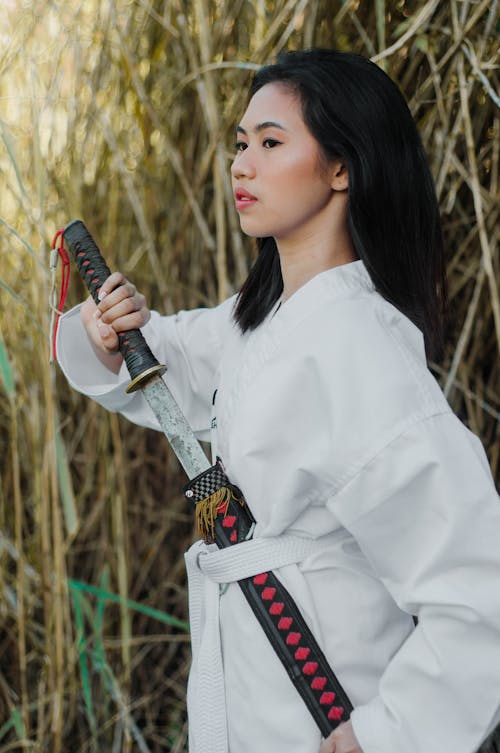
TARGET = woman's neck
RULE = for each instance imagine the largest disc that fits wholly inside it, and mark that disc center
(303, 258)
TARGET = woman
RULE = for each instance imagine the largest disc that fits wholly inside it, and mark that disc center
(323, 411)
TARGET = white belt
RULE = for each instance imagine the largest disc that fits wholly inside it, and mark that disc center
(206, 569)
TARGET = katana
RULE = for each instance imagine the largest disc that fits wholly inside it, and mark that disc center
(143, 367)
(222, 515)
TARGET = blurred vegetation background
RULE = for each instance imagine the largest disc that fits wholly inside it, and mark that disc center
(122, 112)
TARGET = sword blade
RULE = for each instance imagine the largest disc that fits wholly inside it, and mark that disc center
(174, 425)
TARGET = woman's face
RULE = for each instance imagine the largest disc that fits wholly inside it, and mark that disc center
(280, 186)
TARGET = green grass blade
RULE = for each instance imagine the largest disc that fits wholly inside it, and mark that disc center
(77, 598)
(98, 652)
(99, 661)
(101, 601)
(16, 722)
(6, 727)
(6, 371)
(76, 585)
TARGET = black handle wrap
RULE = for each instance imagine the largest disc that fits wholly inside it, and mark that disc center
(94, 272)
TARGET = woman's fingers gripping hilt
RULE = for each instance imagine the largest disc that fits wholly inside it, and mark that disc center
(120, 305)
(141, 363)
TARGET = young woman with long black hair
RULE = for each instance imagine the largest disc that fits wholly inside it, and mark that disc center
(313, 385)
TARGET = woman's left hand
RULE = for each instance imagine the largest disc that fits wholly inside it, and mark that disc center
(342, 740)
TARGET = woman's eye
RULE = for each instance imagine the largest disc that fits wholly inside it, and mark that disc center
(240, 146)
(269, 143)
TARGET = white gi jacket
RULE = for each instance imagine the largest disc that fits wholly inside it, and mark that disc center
(328, 419)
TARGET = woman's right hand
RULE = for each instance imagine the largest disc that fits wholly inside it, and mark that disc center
(120, 309)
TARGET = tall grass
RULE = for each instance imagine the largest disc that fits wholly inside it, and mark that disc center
(122, 113)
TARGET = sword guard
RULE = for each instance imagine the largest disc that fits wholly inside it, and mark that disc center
(139, 381)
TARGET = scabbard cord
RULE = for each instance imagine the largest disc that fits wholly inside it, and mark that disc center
(57, 252)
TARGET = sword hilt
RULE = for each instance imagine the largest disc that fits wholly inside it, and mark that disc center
(141, 363)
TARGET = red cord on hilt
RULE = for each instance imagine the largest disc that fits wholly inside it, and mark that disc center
(58, 252)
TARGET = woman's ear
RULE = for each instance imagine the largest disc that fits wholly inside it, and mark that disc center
(339, 177)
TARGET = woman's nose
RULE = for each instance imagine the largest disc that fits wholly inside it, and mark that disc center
(243, 165)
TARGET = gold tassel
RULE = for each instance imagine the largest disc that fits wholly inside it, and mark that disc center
(207, 510)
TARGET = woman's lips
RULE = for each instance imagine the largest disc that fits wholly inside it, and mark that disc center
(243, 199)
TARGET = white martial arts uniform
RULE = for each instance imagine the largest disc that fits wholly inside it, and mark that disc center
(328, 419)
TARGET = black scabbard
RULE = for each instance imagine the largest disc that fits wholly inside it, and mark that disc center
(225, 519)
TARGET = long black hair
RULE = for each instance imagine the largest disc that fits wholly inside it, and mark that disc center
(356, 112)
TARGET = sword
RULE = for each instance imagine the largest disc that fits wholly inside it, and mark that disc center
(144, 369)
(221, 512)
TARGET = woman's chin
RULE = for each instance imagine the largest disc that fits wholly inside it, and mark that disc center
(251, 229)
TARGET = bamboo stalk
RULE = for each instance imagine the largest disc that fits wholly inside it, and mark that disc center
(20, 576)
(58, 576)
(452, 49)
(119, 515)
(219, 166)
(380, 16)
(421, 18)
(478, 204)
(466, 332)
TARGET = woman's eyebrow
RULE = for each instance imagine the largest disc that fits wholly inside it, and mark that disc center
(262, 126)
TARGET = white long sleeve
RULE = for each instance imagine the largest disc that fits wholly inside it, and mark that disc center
(426, 515)
(190, 343)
